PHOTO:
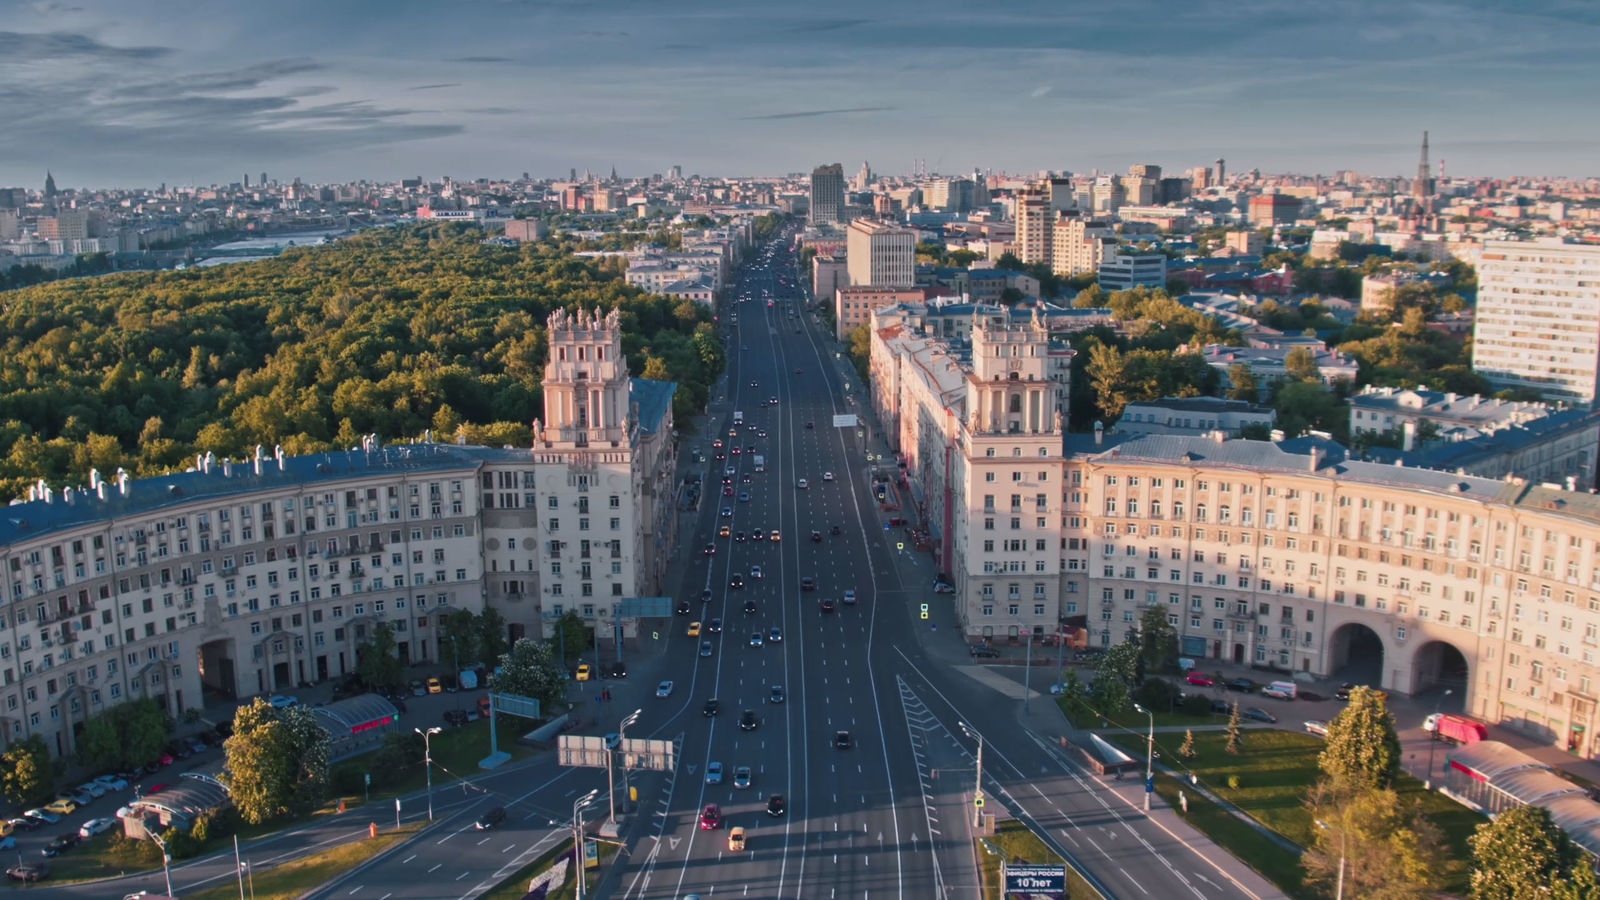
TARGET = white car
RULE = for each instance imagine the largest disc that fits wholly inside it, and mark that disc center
(664, 689)
(827, 476)
(95, 826)
(95, 788)
(755, 573)
(43, 815)
(713, 772)
(849, 598)
(801, 484)
(112, 783)
(283, 701)
(1317, 727)
(741, 777)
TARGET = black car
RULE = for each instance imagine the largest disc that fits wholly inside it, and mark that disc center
(60, 844)
(683, 607)
(712, 708)
(26, 823)
(842, 740)
(775, 805)
(705, 596)
(491, 818)
(807, 583)
(1343, 693)
(619, 669)
(715, 627)
(748, 721)
(984, 652)
(28, 872)
(1242, 685)
(750, 607)
(1222, 707)
(455, 718)
(224, 731)
(1259, 715)
(816, 537)
(736, 582)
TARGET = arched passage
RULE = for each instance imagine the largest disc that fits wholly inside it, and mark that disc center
(1357, 655)
(1438, 666)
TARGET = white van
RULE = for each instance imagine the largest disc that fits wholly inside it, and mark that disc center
(1281, 690)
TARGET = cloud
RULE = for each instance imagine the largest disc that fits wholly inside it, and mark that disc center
(480, 59)
(434, 87)
(809, 113)
(828, 25)
(18, 47)
(1040, 91)
(248, 78)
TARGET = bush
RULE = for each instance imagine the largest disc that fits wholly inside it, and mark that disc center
(215, 825)
(1197, 705)
(1157, 694)
(181, 844)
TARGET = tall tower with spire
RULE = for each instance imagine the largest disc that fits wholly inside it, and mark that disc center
(1422, 189)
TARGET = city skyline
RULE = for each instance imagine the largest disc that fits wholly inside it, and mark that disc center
(136, 94)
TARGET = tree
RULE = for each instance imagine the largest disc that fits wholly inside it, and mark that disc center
(460, 638)
(25, 771)
(1091, 297)
(1187, 750)
(1520, 854)
(1580, 884)
(1235, 741)
(1158, 640)
(1304, 405)
(492, 634)
(1107, 373)
(1115, 674)
(1362, 751)
(530, 669)
(125, 736)
(1390, 851)
(277, 761)
(1301, 365)
(571, 638)
(1243, 384)
(379, 659)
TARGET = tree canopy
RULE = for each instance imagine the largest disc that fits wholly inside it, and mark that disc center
(390, 332)
(125, 736)
(277, 761)
(1363, 749)
(25, 771)
(1520, 854)
(530, 669)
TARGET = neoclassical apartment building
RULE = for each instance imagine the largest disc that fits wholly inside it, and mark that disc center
(1285, 556)
(252, 577)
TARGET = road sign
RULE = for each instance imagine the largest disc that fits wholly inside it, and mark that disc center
(978, 802)
(516, 705)
(900, 545)
(645, 608)
(649, 755)
(1036, 879)
(582, 750)
(844, 420)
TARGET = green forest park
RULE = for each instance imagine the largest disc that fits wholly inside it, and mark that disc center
(391, 332)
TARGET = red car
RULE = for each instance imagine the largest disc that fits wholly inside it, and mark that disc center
(710, 817)
(1201, 679)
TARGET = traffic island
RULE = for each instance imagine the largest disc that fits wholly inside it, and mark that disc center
(1015, 847)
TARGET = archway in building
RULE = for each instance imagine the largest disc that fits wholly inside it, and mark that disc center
(1357, 655)
(217, 677)
(1439, 666)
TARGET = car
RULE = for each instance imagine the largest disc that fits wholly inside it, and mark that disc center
(693, 630)
(1200, 679)
(179, 750)
(584, 672)
(224, 729)
(1242, 685)
(736, 582)
(1343, 691)
(738, 537)
(775, 635)
(808, 583)
(736, 838)
(62, 806)
(455, 718)
(810, 426)
(841, 740)
(61, 843)
(716, 445)
(713, 772)
(741, 777)
(95, 826)
(619, 669)
(816, 537)
(755, 573)
(801, 484)
(776, 696)
(1258, 714)
(28, 872)
(705, 648)
(981, 652)
(712, 708)
(744, 496)
(755, 639)
(758, 535)
(774, 536)
(727, 512)
(711, 817)
(1220, 706)
(827, 604)
(491, 818)
(683, 607)
(724, 532)
(664, 689)
(941, 587)
(45, 816)
(94, 789)
(25, 823)
(1317, 727)
(715, 627)
(708, 549)
(761, 434)
(827, 476)
(750, 607)
(849, 598)
(748, 720)
(775, 805)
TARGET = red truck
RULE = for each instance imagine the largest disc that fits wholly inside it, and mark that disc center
(1455, 729)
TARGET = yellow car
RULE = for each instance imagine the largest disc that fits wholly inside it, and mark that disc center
(434, 687)
(724, 531)
(694, 629)
(583, 672)
(736, 838)
(774, 536)
(61, 806)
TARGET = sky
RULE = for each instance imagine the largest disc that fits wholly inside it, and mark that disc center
(140, 92)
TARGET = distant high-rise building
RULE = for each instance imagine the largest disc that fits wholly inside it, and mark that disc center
(1422, 189)
(880, 255)
(677, 173)
(13, 198)
(863, 177)
(247, 181)
(1079, 244)
(263, 181)
(1267, 210)
(1538, 318)
(1222, 173)
(49, 186)
(1145, 170)
(827, 195)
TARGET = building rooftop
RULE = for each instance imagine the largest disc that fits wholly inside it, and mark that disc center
(655, 401)
(1458, 407)
(1198, 404)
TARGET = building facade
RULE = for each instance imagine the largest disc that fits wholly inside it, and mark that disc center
(827, 195)
(1125, 271)
(1538, 318)
(881, 255)
(252, 577)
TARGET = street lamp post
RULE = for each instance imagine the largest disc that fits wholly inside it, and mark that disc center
(577, 834)
(1149, 757)
(977, 790)
(455, 649)
(427, 762)
(166, 860)
(622, 736)
(1428, 782)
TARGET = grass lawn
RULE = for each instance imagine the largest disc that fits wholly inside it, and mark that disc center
(515, 886)
(1275, 771)
(1239, 838)
(456, 753)
(1012, 840)
(293, 879)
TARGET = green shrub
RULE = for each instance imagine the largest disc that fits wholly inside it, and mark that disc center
(1197, 705)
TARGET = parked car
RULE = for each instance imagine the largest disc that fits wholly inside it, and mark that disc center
(94, 789)
(95, 826)
(60, 844)
(42, 816)
(112, 782)
(1242, 685)
(28, 872)
(24, 822)
(62, 806)
(1200, 679)
(1258, 714)
(984, 652)
(283, 701)
(1317, 727)
(434, 687)
(1343, 691)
